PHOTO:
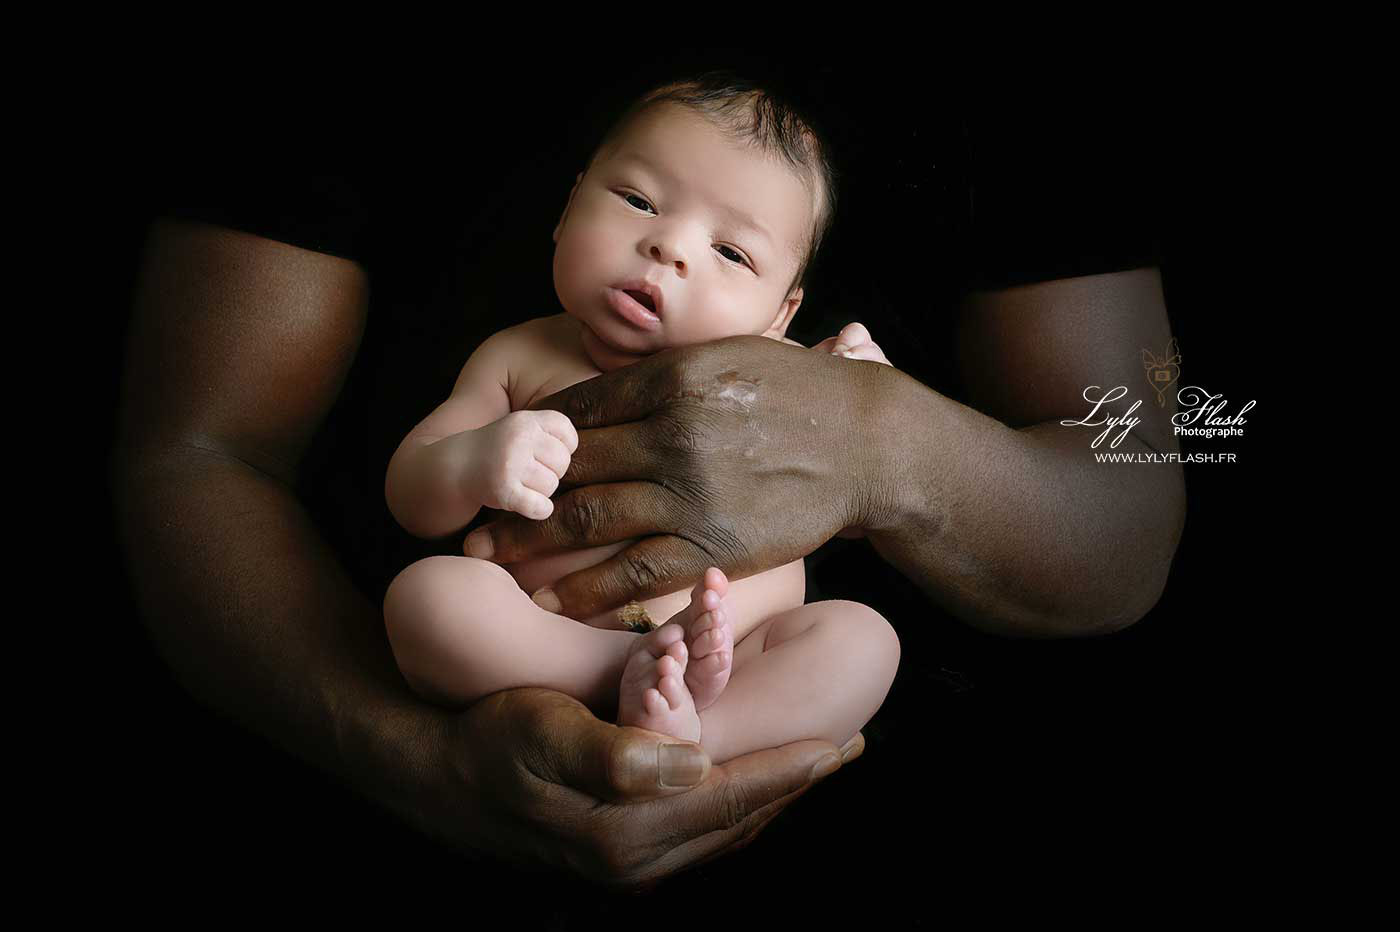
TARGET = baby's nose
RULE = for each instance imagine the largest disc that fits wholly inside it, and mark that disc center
(668, 255)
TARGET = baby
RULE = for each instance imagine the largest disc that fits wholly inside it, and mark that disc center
(694, 220)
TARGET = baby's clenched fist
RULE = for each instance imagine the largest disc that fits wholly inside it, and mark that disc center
(519, 461)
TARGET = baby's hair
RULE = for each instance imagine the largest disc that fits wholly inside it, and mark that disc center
(747, 112)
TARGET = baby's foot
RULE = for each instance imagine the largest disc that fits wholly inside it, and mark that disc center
(653, 694)
(709, 639)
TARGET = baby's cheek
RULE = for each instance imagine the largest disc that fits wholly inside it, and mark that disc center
(717, 319)
(577, 258)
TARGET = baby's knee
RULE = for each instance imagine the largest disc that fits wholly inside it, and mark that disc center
(865, 635)
(439, 614)
(428, 591)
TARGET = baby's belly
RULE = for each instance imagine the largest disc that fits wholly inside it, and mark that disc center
(751, 599)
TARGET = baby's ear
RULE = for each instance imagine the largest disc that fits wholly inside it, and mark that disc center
(791, 303)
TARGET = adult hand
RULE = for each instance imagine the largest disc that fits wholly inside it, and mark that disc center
(743, 453)
(532, 777)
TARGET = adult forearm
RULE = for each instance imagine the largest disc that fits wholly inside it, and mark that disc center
(1020, 532)
(249, 607)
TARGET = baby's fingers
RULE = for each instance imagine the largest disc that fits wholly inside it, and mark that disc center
(551, 453)
(558, 425)
(529, 503)
(851, 336)
(540, 478)
(868, 351)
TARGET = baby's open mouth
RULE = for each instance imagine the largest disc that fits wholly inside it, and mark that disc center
(642, 298)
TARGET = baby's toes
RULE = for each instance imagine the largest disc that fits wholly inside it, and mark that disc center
(657, 643)
(652, 694)
(712, 631)
(717, 637)
(711, 659)
(672, 664)
(654, 704)
(710, 668)
(673, 689)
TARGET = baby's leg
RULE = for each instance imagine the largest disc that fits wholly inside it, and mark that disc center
(462, 629)
(817, 671)
(681, 668)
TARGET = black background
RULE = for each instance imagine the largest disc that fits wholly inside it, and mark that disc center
(990, 758)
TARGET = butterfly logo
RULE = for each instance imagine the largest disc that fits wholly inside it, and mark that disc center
(1162, 373)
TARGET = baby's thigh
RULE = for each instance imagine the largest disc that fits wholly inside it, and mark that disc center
(443, 608)
(444, 590)
(849, 627)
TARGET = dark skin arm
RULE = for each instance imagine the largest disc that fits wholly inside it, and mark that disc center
(1001, 515)
(238, 348)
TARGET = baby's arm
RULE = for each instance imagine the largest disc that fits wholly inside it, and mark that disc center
(473, 451)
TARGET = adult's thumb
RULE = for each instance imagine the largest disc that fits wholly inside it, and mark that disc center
(622, 764)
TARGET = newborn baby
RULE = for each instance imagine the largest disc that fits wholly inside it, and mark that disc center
(694, 220)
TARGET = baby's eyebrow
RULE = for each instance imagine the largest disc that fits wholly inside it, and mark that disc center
(745, 220)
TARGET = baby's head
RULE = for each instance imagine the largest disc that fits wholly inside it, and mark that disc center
(696, 218)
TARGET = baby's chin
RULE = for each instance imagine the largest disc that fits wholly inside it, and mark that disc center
(603, 355)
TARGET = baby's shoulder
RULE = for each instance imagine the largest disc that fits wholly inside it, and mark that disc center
(540, 357)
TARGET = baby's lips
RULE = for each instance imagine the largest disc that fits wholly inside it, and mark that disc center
(642, 298)
(652, 291)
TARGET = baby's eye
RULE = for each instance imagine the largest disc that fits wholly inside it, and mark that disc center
(736, 256)
(629, 198)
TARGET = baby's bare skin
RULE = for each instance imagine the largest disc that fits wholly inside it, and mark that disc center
(739, 666)
(679, 670)
(546, 355)
(678, 234)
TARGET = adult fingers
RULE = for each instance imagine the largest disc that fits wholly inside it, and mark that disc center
(617, 764)
(749, 833)
(651, 567)
(626, 394)
(586, 517)
(741, 797)
(853, 748)
(615, 454)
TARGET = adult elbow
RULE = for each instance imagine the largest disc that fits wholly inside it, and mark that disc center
(1133, 603)
(1144, 569)
(1091, 613)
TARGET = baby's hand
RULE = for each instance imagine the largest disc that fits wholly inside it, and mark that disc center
(853, 342)
(519, 460)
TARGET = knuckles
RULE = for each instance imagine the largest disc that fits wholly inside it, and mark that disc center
(584, 405)
(643, 572)
(678, 435)
(580, 515)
